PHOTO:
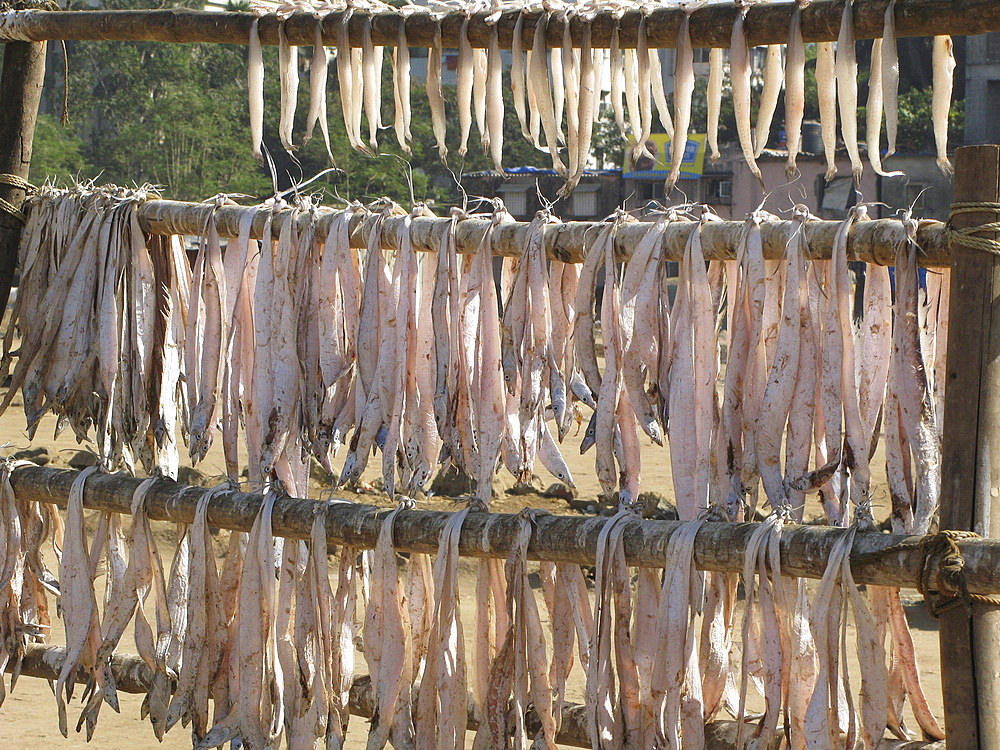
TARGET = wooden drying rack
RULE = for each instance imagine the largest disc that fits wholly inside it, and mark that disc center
(872, 241)
(970, 657)
(766, 23)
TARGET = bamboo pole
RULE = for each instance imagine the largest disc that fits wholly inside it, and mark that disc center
(711, 25)
(573, 539)
(20, 92)
(970, 660)
(132, 675)
(871, 241)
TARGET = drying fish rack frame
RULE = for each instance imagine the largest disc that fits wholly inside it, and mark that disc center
(969, 637)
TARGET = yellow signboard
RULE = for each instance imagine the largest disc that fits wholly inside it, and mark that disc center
(658, 146)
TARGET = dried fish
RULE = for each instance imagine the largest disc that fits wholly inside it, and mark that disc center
(288, 77)
(683, 92)
(318, 74)
(847, 88)
(716, 62)
(943, 63)
(826, 90)
(435, 97)
(401, 88)
(890, 76)
(795, 89)
(255, 84)
(774, 75)
(739, 74)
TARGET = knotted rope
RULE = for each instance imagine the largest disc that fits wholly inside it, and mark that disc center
(942, 571)
(968, 236)
(18, 182)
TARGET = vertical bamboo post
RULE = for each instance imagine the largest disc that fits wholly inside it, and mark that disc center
(970, 657)
(20, 92)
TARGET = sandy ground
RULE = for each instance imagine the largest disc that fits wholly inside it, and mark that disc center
(28, 717)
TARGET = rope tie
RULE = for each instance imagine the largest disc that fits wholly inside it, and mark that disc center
(967, 236)
(20, 183)
(942, 571)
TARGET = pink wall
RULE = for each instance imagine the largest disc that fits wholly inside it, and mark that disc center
(747, 193)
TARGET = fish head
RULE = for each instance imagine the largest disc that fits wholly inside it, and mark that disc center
(564, 477)
(160, 432)
(267, 462)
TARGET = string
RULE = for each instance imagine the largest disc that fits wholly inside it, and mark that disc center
(18, 182)
(967, 236)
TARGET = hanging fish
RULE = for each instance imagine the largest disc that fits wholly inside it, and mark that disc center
(795, 89)
(774, 76)
(739, 73)
(683, 93)
(255, 86)
(288, 78)
(847, 89)
(716, 63)
(943, 62)
(401, 88)
(317, 91)
(890, 76)
(873, 111)
(826, 90)
(435, 95)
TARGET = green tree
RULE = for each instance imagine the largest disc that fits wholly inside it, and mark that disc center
(388, 174)
(916, 133)
(173, 115)
(176, 116)
(56, 152)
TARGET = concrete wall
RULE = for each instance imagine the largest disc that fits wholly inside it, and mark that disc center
(807, 188)
(982, 89)
(923, 186)
(747, 193)
(608, 193)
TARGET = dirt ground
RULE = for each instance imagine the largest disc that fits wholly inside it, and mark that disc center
(28, 716)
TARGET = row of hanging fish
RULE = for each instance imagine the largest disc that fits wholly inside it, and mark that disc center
(313, 348)
(107, 309)
(807, 390)
(558, 93)
(299, 345)
(307, 348)
(263, 651)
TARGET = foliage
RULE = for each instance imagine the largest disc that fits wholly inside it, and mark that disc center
(173, 115)
(56, 152)
(366, 177)
(915, 133)
(176, 115)
(608, 144)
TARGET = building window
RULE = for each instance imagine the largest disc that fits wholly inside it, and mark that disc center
(993, 47)
(838, 194)
(915, 192)
(584, 201)
(515, 197)
(991, 117)
(719, 192)
(644, 191)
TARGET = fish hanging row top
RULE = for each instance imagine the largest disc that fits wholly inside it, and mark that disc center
(558, 93)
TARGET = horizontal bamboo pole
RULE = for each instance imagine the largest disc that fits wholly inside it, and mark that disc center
(719, 546)
(872, 241)
(767, 23)
(132, 675)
